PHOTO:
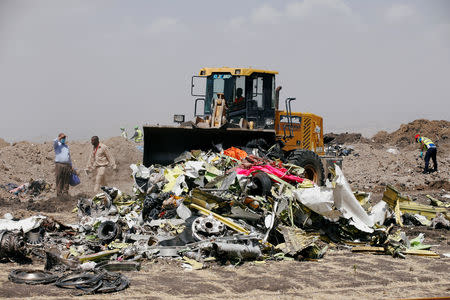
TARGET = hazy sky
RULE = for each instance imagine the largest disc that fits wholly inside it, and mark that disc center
(90, 67)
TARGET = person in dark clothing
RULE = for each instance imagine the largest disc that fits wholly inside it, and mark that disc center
(239, 98)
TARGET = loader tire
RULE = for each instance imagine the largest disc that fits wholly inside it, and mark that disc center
(311, 162)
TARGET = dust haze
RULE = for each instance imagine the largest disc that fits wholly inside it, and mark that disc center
(91, 67)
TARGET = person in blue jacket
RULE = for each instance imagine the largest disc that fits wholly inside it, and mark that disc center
(63, 165)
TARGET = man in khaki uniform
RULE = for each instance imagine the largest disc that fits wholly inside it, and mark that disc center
(99, 160)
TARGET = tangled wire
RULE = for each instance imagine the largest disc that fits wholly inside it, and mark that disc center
(88, 282)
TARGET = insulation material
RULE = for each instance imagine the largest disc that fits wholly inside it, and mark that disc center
(379, 213)
(319, 200)
(346, 202)
(25, 224)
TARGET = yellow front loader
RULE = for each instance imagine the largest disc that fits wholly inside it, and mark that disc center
(240, 107)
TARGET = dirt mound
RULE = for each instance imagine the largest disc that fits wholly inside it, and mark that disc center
(125, 153)
(53, 204)
(23, 161)
(375, 167)
(345, 138)
(3, 143)
(438, 131)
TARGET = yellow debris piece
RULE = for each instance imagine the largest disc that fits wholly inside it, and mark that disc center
(391, 196)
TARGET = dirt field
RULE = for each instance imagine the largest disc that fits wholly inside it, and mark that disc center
(24, 161)
(340, 274)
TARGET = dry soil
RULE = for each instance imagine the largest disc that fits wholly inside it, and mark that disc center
(341, 274)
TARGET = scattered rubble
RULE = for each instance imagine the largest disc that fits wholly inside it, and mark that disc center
(212, 207)
(32, 188)
(344, 138)
(12, 245)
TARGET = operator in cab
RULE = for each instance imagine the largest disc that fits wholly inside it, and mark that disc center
(239, 98)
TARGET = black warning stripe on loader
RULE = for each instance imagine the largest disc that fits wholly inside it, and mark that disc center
(307, 133)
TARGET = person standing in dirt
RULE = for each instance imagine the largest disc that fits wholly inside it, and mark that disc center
(430, 149)
(123, 133)
(99, 160)
(138, 136)
(63, 165)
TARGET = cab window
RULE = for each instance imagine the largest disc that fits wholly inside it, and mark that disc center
(239, 91)
(258, 92)
(219, 84)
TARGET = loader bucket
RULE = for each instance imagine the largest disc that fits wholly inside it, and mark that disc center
(163, 144)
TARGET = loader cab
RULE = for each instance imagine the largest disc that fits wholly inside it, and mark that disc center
(249, 94)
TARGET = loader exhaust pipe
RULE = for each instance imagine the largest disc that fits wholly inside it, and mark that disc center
(277, 96)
